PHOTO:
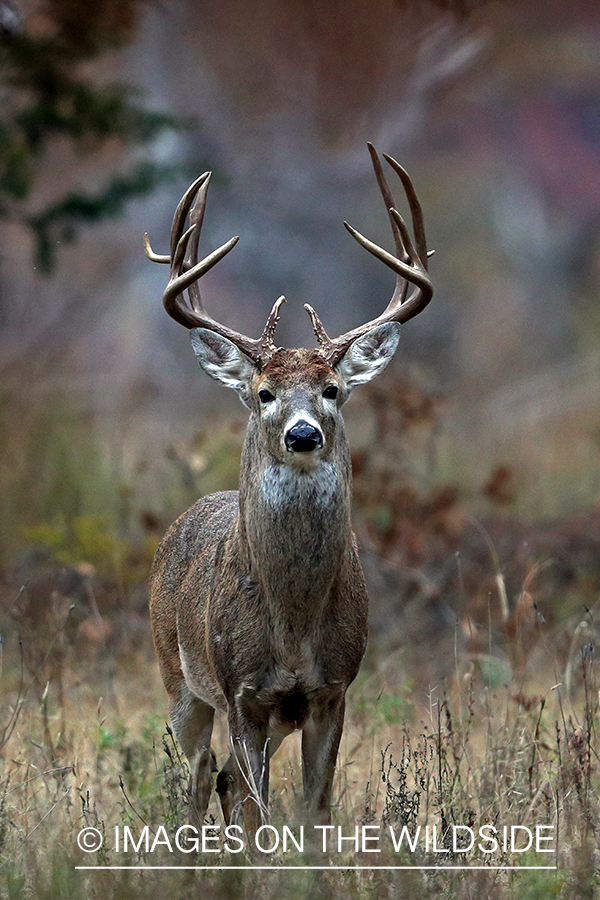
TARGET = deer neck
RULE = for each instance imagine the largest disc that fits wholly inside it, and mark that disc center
(295, 524)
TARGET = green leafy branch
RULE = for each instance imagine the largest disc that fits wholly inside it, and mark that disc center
(43, 98)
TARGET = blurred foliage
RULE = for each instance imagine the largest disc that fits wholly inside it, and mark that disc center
(402, 507)
(66, 492)
(59, 221)
(45, 97)
(51, 468)
(91, 539)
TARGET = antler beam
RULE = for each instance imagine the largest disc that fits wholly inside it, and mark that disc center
(409, 264)
(186, 271)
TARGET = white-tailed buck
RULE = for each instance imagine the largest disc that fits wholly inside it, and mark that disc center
(258, 601)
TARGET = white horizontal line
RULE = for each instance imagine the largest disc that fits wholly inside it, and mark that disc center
(320, 868)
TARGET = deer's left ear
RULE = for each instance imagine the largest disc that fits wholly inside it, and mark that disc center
(369, 354)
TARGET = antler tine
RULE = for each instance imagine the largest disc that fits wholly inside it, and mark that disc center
(186, 270)
(183, 208)
(196, 219)
(178, 222)
(416, 210)
(390, 203)
(409, 264)
(178, 283)
(152, 256)
(413, 271)
(268, 348)
(323, 338)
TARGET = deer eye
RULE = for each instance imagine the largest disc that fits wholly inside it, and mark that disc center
(330, 392)
(265, 396)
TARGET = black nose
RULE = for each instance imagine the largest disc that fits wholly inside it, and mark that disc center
(303, 437)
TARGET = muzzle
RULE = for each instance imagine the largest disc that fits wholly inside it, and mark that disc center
(303, 437)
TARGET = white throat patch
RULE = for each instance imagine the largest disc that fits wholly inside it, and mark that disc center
(283, 485)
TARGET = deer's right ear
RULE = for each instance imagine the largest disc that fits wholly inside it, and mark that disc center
(223, 361)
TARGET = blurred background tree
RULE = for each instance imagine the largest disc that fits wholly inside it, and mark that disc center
(47, 97)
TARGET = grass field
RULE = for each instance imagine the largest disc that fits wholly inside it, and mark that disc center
(85, 745)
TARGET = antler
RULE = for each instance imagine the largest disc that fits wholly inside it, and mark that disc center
(186, 271)
(409, 264)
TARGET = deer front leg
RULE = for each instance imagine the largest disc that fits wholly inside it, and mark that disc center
(320, 743)
(192, 721)
(247, 769)
(243, 782)
(227, 779)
